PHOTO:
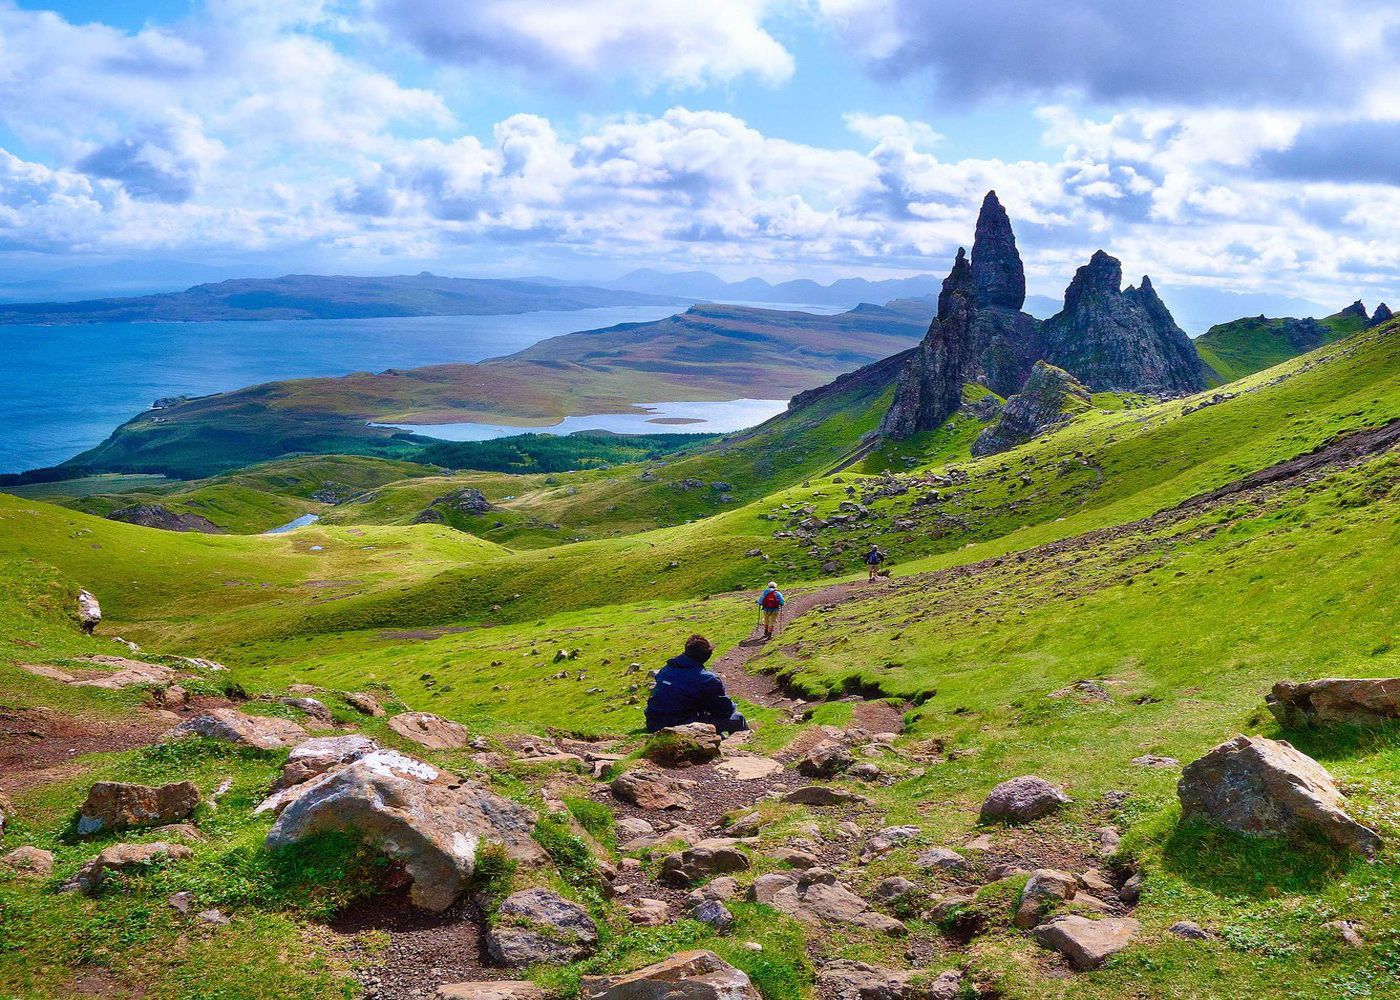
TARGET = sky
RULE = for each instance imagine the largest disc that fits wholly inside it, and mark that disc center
(1252, 146)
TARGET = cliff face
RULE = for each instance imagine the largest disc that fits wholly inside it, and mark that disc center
(930, 386)
(1004, 339)
(1123, 339)
(1382, 315)
(1051, 396)
(997, 273)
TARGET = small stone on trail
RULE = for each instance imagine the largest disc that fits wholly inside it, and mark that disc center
(825, 760)
(843, 979)
(941, 857)
(648, 912)
(1046, 885)
(714, 913)
(822, 795)
(709, 857)
(504, 989)
(749, 768)
(682, 746)
(648, 789)
(887, 840)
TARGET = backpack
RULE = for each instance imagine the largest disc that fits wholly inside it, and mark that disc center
(875, 557)
(771, 601)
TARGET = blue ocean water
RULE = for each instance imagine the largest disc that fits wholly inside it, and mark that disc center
(649, 418)
(63, 389)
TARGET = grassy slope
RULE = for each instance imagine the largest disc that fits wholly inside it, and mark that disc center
(1245, 346)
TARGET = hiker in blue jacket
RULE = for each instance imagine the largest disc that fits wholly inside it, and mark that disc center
(771, 602)
(686, 692)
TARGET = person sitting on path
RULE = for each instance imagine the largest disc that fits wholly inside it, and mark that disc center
(873, 559)
(686, 692)
(771, 603)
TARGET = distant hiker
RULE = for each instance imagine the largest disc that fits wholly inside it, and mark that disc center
(873, 559)
(771, 603)
(686, 692)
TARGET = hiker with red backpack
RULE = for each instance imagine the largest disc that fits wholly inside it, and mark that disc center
(771, 605)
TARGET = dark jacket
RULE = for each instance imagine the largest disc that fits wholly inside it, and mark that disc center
(686, 692)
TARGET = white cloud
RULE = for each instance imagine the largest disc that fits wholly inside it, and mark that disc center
(673, 42)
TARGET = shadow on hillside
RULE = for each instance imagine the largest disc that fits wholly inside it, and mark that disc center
(1232, 865)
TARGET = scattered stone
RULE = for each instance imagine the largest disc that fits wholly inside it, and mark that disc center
(709, 857)
(794, 856)
(1045, 887)
(123, 857)
(1086, 943)
(1095, 883)
(415, 815)
(647, 789)
(843, 979)
(865, 771)
(998, 873)
(246, 730)
(316, 709)
(629, 827)
(980, 844)
(1188, 930)
(28, 861)
(1335, 701)
(648, 912)
(815, 896)
(430, 731)
(941, 857)
(115, 805)
(714, 913)
(364, 704)
(213, 916)
(1132, 889)
(894, 888)
(1106, 841)
(887, 840)
(825, 760)
(540, 926)
(682, 746)
(1022, 800)
(687, 975)
(1265, 787)
(504, 989)
(182, 901)
(1155, 760)
(823, 795)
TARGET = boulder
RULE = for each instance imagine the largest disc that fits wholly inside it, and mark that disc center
(1266, 788)
(1022, 800)
(430, 731)
(1336, 701)
(887, 840)
(825, 760)
(415, 815)
(941, 857)
(1086, 943)
(364, 704)
(722, 888)
(682, 746)
(712, 913)
(1045, 887)
(89, 611)
(28, 861)
(316, 709)
(504, 989)
(823, 795)
(538, 925)
(115, 805)
(815, 896)
(648, 789)
(648, 912)
(892, 889)
(843, 979)
(794, 856)
(709, 857)
(124, 857)
(687, 975)
(257, 731)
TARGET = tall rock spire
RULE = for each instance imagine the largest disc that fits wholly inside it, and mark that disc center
(997, 272)
(930, 386)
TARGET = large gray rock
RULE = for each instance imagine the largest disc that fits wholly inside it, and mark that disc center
(246, 730)
(688, 975)
(1336, 701)
(1112, 338)
(1044, 887)
(538, 925)
(430, 731)
(998, 276)
(843, 979)
(1050, 397)
(1265, 787)
(1022, 800)
(415, 814)
(116, 805)
(1086, 943)
(709, 857)
(815, 896)
(929, 388)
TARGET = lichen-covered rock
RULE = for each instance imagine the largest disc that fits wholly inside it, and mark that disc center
(415, 814)
(1369, 701)
(123, 857)
(247, 730)
(1112, 338)
(116, 805)
(682, 746)
(430, 730)
(844, 979)
(717, 856)
(825, 760)
(930, 385)
(1021, 800)
(538, 925)
(1050, 397)
(688, 975)
(1264, 787)
(1086, 943)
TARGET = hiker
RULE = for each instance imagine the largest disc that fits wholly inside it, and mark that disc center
(771, 604)
(873, 559)
(686, 692)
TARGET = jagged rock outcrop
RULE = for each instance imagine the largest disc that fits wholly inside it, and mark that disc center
(930, 386)
(1050, 397)
(1112, 338)
(153, 515)
(466, 501)
(1383, 314)
(1357, 310)
(998, 277)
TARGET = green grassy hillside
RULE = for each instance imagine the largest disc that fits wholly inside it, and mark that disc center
(1245, 346)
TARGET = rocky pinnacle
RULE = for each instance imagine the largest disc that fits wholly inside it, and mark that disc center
(997, 273)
